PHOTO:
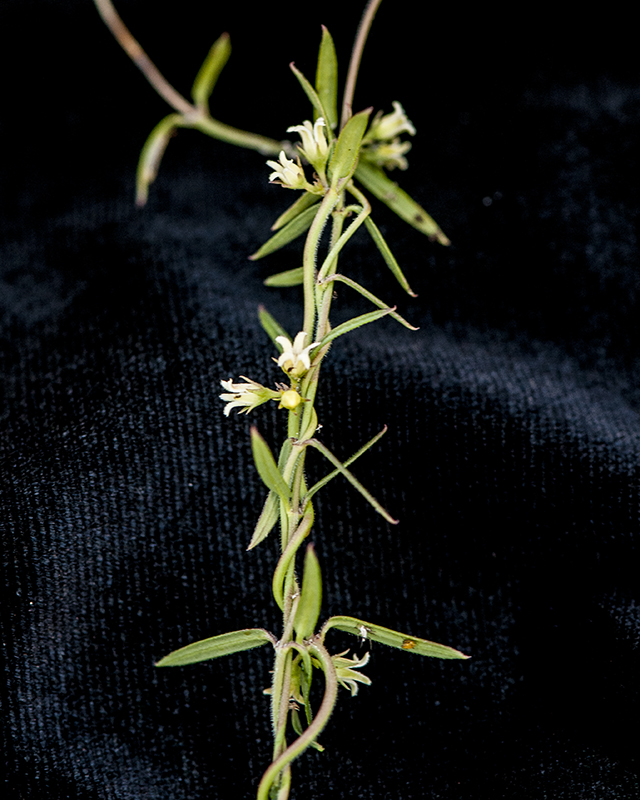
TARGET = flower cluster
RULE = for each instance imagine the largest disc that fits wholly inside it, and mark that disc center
(382, 144)
(314, 148)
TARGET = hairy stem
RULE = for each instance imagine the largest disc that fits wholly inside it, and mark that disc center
(304, 741)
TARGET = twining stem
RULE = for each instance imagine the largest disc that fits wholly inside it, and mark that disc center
(356, 56)
(299, 745)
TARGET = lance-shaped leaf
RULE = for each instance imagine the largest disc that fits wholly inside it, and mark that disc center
(267, 467)
(324, 481)
(345, 156)
(308, 609)
(327, 78)
(305, 200)
(309, 424)
(210, 70)
(266, 520)
(272, 507)
(402, 641)
(291, 231)
(355, 322)
(366, 293)
(291, 277)
(299, 535)
(151, 155)
(311, 93)
(376, 181)
(351, 478)
(217, 646)
(271, 326)
(389, 258)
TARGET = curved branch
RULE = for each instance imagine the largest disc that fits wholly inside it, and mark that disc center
(309, 736)
(132, 48)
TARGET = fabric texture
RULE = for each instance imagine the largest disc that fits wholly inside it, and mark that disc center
(512, 456)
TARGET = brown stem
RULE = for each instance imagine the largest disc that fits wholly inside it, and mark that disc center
(356, 56)
(135, 52)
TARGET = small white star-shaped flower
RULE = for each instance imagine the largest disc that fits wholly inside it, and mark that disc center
(345, 671)
(389, 126)
(314, 145)
(295, 359)
(287, 173)
(246, 396)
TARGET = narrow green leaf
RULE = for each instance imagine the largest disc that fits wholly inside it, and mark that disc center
(151, 155)
(345, 156)
(295, 721)
(376, 181)
(311, 93)
(351, 478)
(305, 200)
(267, 467)
(388, 256)
(266, 520)
(308, 609)
(291, 231)
(402, 641)
(366, 293)
(271, 326)
(327, 78)
(323, 482)
(280, 572)
(210, 70)
(309, 425)
(355, 322)
(292, 277)
(216, 646)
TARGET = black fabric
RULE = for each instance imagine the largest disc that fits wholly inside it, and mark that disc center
(513, 451)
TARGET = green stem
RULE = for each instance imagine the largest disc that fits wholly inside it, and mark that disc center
(227, 133)
(327, 205)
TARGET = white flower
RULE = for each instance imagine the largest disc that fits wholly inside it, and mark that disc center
(388, 154)
(295, 359)
(345, 673)
(314, 145)
(391, 125)
(287, 173)
(246, 396)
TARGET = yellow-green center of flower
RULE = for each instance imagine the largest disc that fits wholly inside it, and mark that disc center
(290, 399)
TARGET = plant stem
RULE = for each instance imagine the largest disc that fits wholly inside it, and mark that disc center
(309, 736)
(327, 205)
(356, 56)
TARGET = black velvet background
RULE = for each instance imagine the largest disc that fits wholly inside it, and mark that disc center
(513, 451)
